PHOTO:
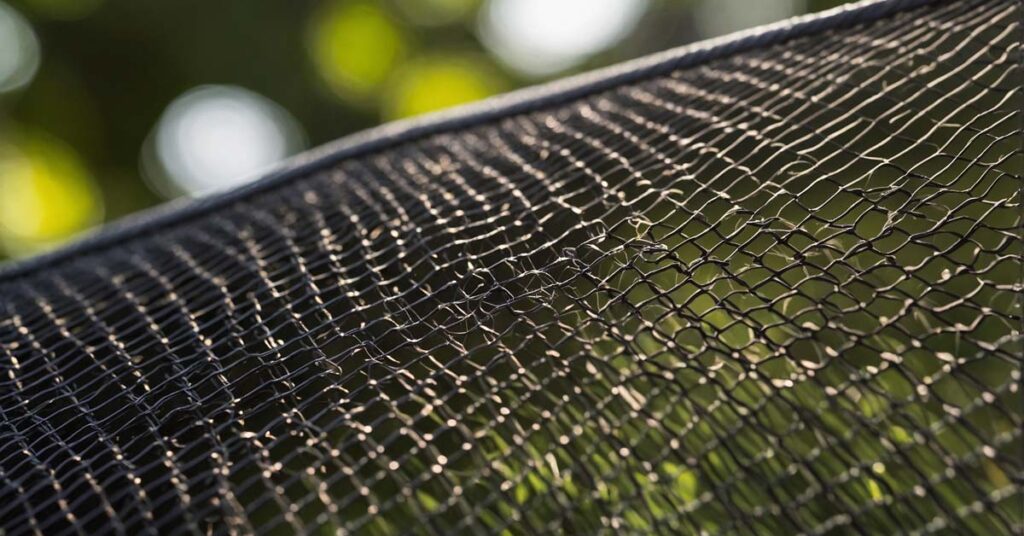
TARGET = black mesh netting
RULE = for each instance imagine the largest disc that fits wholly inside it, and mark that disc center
(776, 292)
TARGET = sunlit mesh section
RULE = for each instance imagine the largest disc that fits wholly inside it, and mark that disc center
(774, 293)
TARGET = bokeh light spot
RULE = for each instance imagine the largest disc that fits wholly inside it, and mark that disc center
(216, 137)
(354, 46)
(719, 17)
(19, 50)
(48, 194)
(543, 37)
(435, 83)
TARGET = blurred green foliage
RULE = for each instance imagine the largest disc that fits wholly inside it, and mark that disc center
(659, 336)
(108, 69)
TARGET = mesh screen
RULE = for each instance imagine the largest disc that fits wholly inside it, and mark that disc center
(777, 292)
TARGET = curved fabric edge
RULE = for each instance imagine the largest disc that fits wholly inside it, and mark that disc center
(516, 102)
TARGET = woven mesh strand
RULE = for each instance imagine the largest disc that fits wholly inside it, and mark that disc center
(776, 292)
